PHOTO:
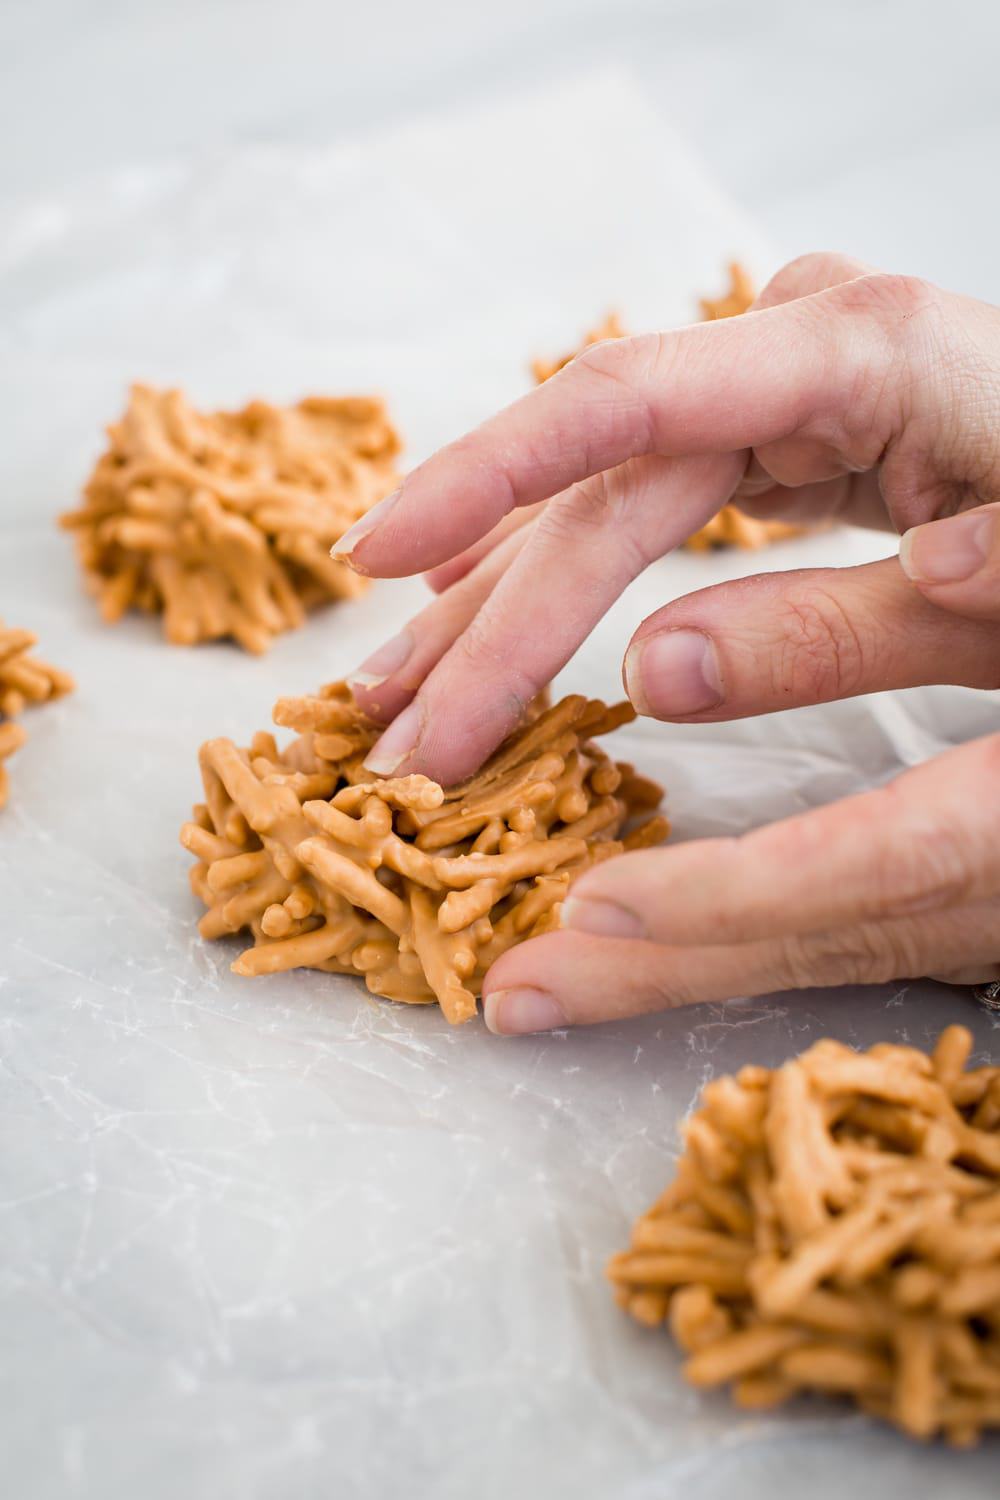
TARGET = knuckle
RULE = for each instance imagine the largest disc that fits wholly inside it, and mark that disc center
(481, 645)
(821, 653)
(923, 863)
(609, 363)
(590, 504)
(621, 371)
(815, 959)
(811, 272)
(908, 332)
(608, 503)
(905, 334)
(491, 649)
(892, 297)
(623, 362)
(804, 267)
(666, 990)
(868, 953)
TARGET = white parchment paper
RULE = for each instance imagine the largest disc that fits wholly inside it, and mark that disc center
(274, 1239)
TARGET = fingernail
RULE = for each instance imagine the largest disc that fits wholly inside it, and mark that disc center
(516, 1012)
(342, 551)
(603, 918)
(383, 662)
(947, 551)
(395, 745)
(673, 673)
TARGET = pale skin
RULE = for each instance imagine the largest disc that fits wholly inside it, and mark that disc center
(846, 394)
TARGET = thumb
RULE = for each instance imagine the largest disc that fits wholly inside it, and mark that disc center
(956, 563)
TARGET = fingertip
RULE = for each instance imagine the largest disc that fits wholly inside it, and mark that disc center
(377, 698)
(345, 550)
(601, 918)
(397, 744)
(364, 688)
(522, 1012)
(950, 551)
(491, 1008)
(672, 674)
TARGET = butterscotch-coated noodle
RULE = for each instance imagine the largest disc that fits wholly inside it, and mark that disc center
(730, 527)
(417, 888)
(834, 1226)
(737, 298)
(24, 681)
(223, 521)
(610, 328)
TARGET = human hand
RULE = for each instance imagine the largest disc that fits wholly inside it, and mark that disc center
(892, 884)
(875, 398)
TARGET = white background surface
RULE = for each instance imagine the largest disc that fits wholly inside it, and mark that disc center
(866, 125)
(276, 1240)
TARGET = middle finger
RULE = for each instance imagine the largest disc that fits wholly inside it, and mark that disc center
(581, 552)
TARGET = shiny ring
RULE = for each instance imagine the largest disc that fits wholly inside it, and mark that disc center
(988, 994)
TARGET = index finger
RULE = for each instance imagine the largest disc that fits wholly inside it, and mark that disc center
(805, 366)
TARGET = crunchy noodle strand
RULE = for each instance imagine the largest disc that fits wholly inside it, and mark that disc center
(414, 887)
(24, 682)
(223, 521)
(834, 1226)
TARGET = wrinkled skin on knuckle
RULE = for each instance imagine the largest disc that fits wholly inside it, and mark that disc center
(593, 504)
(625, 362)
(964, 440)
(617, 370)
(926, 863)
(843, 421)
(643, 371)
(492, 655)
(865, 953)
(811, 960)
(820, 654)
(581, 509)
(611, 503)
(943, 396)
(914, 320)
(666, 990)
(893, 298)
(909, 320)
(597, 409)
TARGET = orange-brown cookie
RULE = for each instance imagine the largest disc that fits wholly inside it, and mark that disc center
(834, 1226)
(223, 521)
(416, 888)
(24, 680)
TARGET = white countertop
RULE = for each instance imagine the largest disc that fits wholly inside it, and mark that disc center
(273, 1241)
(870, 126)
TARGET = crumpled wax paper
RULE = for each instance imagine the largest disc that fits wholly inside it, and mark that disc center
(276, 1239)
